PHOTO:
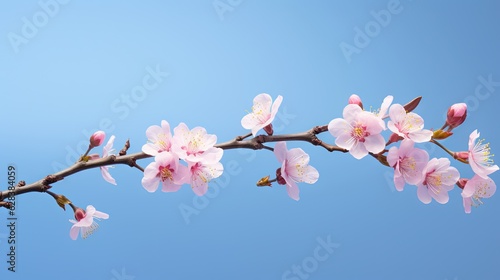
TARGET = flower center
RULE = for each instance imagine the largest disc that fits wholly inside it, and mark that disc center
(166, 173)
(434, 183)
(359, 132)
(162, 143)
(196, 170)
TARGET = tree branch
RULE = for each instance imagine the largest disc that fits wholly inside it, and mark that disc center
(255, 143)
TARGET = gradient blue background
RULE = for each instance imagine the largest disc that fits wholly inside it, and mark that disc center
(64, 81)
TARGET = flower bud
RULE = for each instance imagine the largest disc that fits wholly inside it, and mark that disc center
(461, 156)
(354, 99)
(79, 214)
(97, 138)
(456, 114)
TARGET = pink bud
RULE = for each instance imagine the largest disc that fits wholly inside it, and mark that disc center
(456, 114)
(461, 156)
(354, 99)
(97, 138)
(79, 214)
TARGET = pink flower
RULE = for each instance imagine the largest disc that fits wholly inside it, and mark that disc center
(85, 222)
(167, 170)
(475, 189)
(354, 99)
(480, 159)
(159, 139)
(263, 113)
(438, 179)
(359, 132)
(195, 145)
(408, 125)
(201, 173)
(295, 168)
(97, 138)
(106, 151)
(408, 163)
(456, 114)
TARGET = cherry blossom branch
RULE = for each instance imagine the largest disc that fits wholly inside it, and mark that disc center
(254, 143)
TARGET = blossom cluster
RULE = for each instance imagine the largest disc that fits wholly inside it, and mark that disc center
(195, 147)
(360, 131)
(191, 156)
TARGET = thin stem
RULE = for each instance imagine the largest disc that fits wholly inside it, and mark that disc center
(442, 147)
(87, 152)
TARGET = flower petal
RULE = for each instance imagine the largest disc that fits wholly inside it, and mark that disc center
(399, 182)
(293, 190)
(150, 184)
(280, 151)
(423, 194)
(421, 136)
(338, 127)
(393, 156)
(397, 113)
(73, 232)
(358, 150)
(467, 201)
(101, 215)
(107, 176)
(375, 143)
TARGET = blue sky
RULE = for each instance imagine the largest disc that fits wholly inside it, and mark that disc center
(69, 68)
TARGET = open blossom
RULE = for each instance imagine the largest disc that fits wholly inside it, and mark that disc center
(85, 222)
(97, 138)
(195, 145)
(437, 180)
(159, 139)
(480, 159)
(199, 174)
(475, 189)
(167, 170)
(263, 113)
(106, 151)
(295, 168)
(408, 163)
(408, 125)
(358, 131)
